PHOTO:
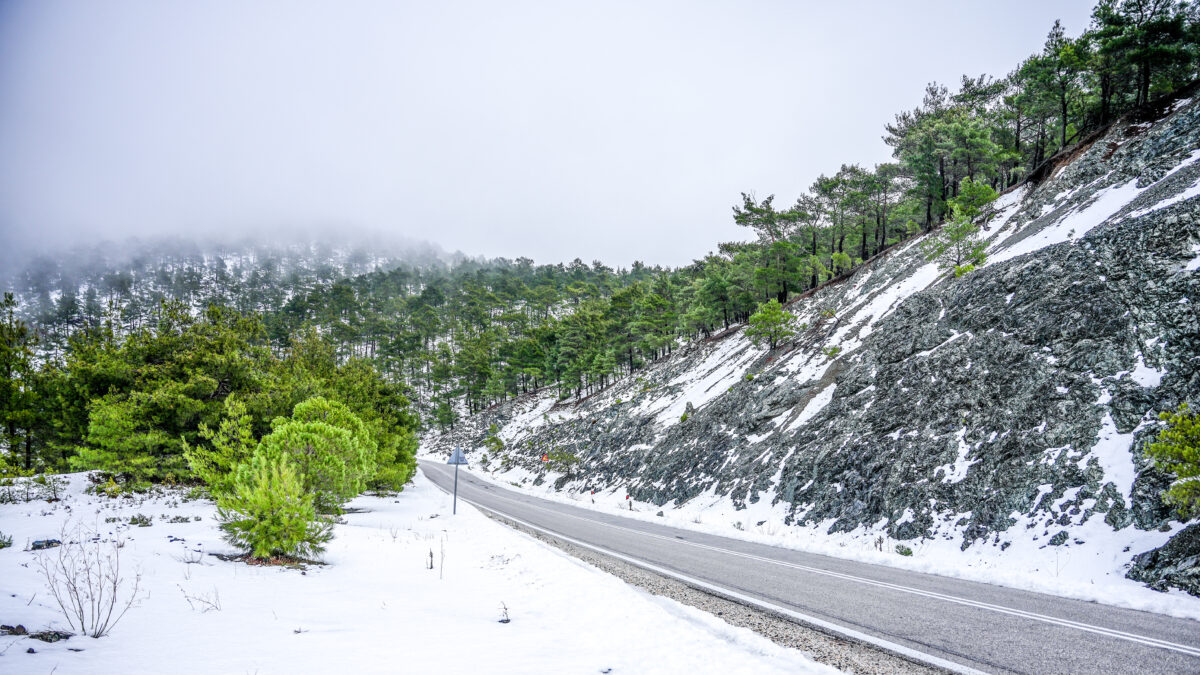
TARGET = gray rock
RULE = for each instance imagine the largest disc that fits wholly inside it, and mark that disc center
(1176, 564)
(1019, 366)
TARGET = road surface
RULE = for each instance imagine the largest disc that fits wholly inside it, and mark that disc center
(950, 622)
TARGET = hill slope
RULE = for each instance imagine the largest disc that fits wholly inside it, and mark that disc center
(1006, 408)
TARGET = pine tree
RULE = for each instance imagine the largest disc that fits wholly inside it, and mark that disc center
(329, 458)
(1177, 450)
(16, 371)
(957, 245)
(269, 513)
(771, 324)
(230, 444)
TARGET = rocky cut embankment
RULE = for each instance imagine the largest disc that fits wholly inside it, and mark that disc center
(1013, 403)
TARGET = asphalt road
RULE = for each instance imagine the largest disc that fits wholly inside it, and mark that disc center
(963, 624)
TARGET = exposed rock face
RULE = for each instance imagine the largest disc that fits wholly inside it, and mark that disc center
(1176, 564)
(1022, 392)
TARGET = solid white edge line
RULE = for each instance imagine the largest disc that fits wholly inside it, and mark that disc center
(850, 633)
(885, 645)
(1056, 621)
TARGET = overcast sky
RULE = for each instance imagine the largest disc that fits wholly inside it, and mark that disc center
(603, 130)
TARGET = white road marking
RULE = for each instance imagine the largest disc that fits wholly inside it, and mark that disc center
(1090, 628)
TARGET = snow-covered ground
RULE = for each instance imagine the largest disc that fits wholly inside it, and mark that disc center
(1091, 566)
(374, 607)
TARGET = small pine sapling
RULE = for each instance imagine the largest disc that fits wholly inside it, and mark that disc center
(268, 513)
(771, 324)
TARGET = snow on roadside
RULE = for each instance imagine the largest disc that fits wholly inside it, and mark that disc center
(1112, 452)
(1090, 566)
(374, 608)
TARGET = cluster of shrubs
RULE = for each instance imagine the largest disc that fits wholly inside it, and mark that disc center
(277, 498)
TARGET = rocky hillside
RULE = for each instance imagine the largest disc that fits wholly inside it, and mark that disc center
(1008, 407)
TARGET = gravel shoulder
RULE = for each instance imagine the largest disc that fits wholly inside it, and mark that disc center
(831, 650)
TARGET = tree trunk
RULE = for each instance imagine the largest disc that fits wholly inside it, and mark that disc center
(1105, 96)
(942, 176)
(1017, 140)
(1063, 108)
(814, 253)
(1144, 83)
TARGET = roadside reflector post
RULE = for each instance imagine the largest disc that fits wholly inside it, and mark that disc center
(456, 458)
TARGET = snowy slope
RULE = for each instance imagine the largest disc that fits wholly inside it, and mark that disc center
(374, 607)
(994, 424)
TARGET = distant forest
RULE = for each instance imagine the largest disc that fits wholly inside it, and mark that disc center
(148, 345)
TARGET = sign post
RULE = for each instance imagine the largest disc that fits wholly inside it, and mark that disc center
(457, 457)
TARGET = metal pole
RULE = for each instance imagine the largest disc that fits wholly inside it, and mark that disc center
(455, 512)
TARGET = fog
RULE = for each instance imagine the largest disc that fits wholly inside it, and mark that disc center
(606, 131)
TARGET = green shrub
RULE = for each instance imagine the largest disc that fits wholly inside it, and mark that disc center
(771, 325)
(562, 461)
(268, 512)
(141, 521)
(332, 452)
(122, 443)
(493, 440)
(903, 550)
(229, 445)
(5, 541)
(1177, 449)
(683, 417)
(363, 455)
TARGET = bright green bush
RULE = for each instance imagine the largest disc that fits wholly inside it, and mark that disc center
(330, 447)
(122, 442)
(269, 513)
(771, 324)
(564, 462)
(230, 444)
(1177, 449)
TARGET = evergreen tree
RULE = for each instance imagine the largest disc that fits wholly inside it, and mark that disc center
(771, 324)
(269, 513)
(1177, 450)
(16, 370)
(329, 457)
(230, 444)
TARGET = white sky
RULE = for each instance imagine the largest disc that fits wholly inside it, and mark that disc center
(604, 130)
